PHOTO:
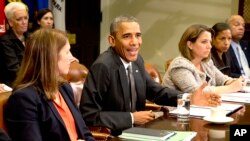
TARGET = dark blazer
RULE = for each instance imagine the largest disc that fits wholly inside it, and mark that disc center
(11, 55)
(234, 65)
(4, 136)
(29, 116)
(222, 64)
(106, 99)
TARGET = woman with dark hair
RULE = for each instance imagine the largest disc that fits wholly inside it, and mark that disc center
(221, 43)
(44, 18)
(41, 106)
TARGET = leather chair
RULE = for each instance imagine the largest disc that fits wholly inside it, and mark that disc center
(76, 77)
(167, 63)
(153, 72)
(3, 100)
(155, 75)
(77, 72)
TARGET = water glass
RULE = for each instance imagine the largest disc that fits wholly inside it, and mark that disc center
(183, 106)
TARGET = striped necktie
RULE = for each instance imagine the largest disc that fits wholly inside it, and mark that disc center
(133, 94)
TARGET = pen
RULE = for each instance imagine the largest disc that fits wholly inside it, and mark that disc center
(174, 133)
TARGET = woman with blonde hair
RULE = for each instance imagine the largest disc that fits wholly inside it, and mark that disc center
(42, 106)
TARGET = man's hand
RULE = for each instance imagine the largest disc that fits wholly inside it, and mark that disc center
(143, 117)
(201, 98)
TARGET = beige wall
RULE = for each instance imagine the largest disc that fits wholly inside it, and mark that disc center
(163, 22)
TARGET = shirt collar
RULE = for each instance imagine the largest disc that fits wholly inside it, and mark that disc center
(125, 64)
(234, 44)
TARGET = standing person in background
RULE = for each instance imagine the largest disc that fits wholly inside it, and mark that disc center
(196, 65)
(239, 49)
(43, 18)
(109, 81)
(12, 43)
(220, 45)
(41, 106)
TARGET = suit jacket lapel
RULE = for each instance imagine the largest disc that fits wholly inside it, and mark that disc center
(138, 82)
(69, 100)
(233, 57)
(123, 80)
(70, 105)
(56, 113)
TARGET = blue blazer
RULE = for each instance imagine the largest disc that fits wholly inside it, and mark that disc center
(29, 116)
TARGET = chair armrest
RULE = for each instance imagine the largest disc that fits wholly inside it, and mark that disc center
(155, 107)
(101, 136)
(100, 133)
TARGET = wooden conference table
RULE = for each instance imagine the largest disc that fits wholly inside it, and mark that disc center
(205, 131)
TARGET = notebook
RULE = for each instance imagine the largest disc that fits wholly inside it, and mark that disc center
(183, 136)
(138, 133)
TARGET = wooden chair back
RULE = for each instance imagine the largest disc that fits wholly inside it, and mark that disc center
(77, 72)
(3, 100)
(153, 72)
(167, 63)
(76, 77)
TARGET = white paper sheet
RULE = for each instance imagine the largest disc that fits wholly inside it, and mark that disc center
(236, 97)
(202, 111)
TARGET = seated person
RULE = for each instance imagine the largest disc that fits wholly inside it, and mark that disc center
(109, 97)
(41, 106)
(220, 45)
(43, 18)
(239, 50)
(187, 72)
(12, 43)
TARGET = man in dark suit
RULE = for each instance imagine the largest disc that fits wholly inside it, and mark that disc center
(237, 26)
(106, 99)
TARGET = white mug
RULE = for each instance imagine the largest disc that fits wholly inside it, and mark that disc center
(216, 134)
(217, 113)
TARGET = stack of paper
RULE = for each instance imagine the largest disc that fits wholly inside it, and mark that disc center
(236, 97)
(246, 89)
(202, 111)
